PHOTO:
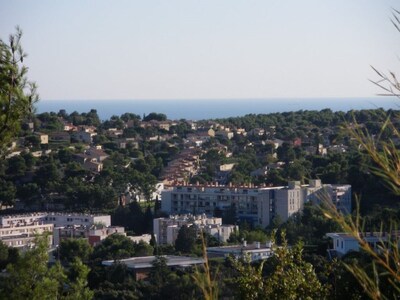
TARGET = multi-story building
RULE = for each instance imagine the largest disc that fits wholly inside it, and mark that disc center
(253, 204)
(20, 230)
(94, 234)
(22, 234)
(166, 229)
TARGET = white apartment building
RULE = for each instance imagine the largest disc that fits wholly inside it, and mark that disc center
(253, 204)
(20, 230)
(58, 219)
(77, 219)
(94, 234)
(22, 235)
(166, 229)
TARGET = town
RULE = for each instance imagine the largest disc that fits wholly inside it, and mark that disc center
(137, 189)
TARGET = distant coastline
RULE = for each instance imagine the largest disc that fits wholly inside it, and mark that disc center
(211, 109)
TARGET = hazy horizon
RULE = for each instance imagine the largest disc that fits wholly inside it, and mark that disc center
(215, 108)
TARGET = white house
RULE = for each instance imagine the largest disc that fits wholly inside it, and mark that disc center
(344, 243)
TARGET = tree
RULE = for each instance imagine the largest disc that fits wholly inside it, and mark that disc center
(31, 278)
(17, 94)
(148, 220)
(16, 166)
(77, 282)
(291, 277)
(186, 239)
(7, 192)
(386, 165)
(28, 192)
(155, 116)
(143, 249)
(70, 249)
(115, 246)
(3, 255)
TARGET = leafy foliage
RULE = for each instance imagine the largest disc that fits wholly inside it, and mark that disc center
(291, 277)
(31, 278)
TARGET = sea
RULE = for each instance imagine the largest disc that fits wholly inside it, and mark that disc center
(200, 109)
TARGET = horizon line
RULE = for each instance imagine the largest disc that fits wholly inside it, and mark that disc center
(217, 98)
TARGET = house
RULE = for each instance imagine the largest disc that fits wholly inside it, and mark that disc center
(192, 125)
(59, 137)
(84, 136)
(297, 142)
(69, 127)
(225, 134)
(257, 132)
(241, 131)
(114, 132)
(92, 159)
(44, 138)
(344, 243)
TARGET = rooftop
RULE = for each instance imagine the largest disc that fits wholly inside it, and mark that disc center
(240, 248)
(146, 262)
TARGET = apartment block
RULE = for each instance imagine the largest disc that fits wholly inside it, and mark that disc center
(94, 234)
(254, 204)
(22, 235)
(166, 229)
(20, 230)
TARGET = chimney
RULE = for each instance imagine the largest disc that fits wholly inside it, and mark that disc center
(244, 243)
(258, 245)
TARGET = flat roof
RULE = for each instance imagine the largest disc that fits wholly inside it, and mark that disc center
(364, 235)
(146, 262)
(239, 248)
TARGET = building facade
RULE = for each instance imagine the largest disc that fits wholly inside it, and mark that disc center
(253, 204)
(344, 243)
(94, 234)
(166, 229)
(20, 230)
(22, 236)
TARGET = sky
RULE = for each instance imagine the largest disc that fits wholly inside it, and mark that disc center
(208, 49)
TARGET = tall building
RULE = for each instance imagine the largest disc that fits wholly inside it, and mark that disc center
(253, 204)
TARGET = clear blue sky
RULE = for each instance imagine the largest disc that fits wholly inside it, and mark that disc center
(204, 49)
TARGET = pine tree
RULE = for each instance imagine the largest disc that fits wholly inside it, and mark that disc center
(17, 94)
